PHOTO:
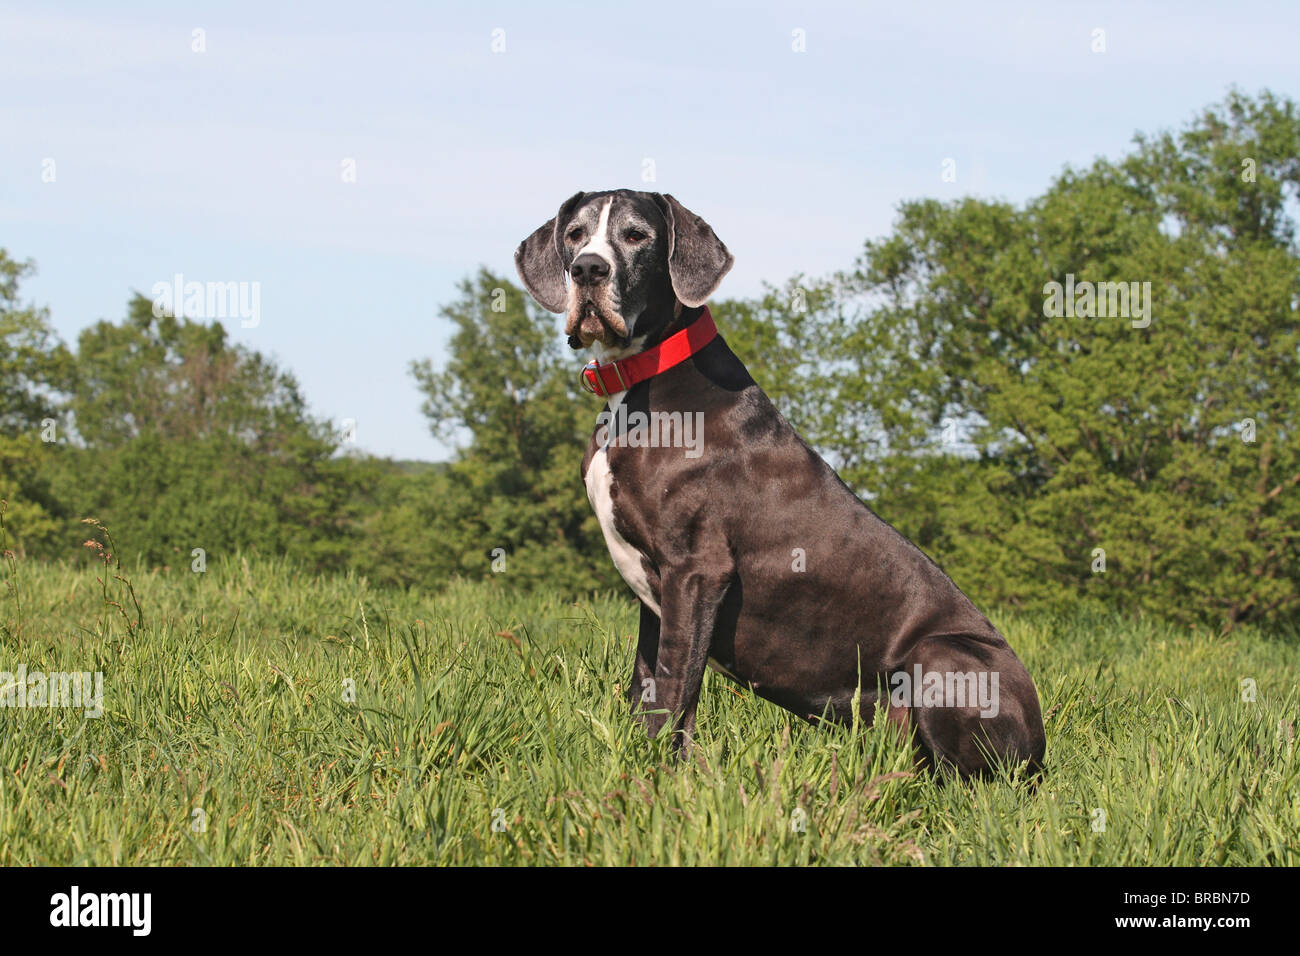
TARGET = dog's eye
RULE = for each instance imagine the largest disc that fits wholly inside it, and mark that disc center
(635, 235)
(574, 235)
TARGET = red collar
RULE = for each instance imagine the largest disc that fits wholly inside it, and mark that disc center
(674, 350)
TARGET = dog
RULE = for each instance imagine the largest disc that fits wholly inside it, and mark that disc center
(751, 555)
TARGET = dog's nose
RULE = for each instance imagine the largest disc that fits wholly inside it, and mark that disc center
(589, 269)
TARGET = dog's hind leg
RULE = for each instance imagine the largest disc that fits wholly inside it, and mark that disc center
(977, 707)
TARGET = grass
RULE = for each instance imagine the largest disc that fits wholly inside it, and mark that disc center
(231, 698)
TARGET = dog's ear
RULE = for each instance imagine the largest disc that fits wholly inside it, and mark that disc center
(538, 259)
(697, 259)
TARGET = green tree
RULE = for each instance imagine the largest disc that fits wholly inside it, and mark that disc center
(34, 368)
(181, 379)
(1066, 433)
(192, 442)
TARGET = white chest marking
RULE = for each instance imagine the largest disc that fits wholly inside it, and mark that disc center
(626, 558)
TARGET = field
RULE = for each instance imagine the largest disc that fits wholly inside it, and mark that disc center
(260, 715)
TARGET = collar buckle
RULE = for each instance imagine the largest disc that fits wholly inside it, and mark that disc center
(592, 383)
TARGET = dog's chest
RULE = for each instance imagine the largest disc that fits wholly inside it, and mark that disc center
(629, 561)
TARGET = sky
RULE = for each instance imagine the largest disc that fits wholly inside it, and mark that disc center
(351, 163)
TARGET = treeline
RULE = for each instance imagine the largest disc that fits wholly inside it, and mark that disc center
(1092, 396)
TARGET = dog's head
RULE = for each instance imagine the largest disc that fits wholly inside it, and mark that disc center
(632, 258)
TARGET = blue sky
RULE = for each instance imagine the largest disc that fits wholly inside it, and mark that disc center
(225, 165)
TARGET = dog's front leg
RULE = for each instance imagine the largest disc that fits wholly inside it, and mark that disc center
(641, 693)
(690, 600)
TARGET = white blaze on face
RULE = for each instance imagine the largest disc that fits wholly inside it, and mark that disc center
(598, 244)
(605, 295)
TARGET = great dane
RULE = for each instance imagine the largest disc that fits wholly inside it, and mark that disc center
(745, 549)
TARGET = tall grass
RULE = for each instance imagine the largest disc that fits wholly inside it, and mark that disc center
(316, 720)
